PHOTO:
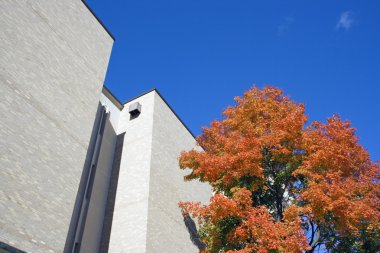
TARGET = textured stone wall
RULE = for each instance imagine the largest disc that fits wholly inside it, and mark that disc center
(54, 56)
(167, 231)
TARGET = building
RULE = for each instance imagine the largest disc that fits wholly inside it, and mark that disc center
(80, 171)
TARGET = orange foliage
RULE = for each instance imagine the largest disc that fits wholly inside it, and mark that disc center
(257, 155)
(343, 181)
(233, 147)
(257, 230)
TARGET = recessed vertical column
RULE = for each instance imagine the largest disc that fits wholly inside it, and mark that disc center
(75, 234)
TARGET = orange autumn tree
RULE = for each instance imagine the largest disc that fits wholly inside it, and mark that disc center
(281, 186)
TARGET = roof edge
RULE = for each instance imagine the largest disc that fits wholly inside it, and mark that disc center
(112, 98)
(98, 19)
(180, 120)
(140, 95)
(167, 104)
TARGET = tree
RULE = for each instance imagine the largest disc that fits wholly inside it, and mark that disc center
(280, 186)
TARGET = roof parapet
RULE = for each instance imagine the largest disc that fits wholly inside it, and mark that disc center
(98, 19)
(112, 98)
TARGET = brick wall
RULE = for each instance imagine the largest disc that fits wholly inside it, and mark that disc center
(54, 56)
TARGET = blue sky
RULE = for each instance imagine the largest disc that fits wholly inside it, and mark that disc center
(200, 54)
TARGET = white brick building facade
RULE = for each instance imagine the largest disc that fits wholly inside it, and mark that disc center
(73, 177)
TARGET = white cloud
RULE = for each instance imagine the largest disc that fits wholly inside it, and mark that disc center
(285, 25)
(345, 20)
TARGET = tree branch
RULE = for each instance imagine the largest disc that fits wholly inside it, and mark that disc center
(314, 239)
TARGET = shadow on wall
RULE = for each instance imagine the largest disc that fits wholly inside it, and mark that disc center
(6, 248)
(108, 215)
(192, 229)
